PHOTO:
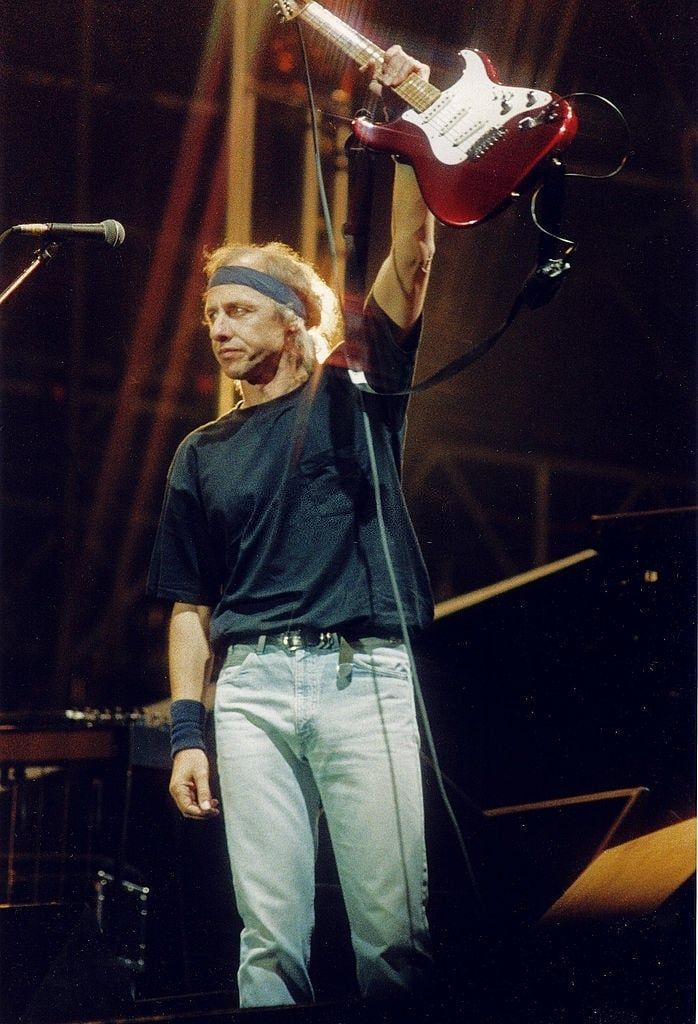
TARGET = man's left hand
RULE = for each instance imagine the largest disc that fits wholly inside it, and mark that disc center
(394, 69)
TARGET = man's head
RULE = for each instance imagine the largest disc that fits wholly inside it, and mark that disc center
(265, 303)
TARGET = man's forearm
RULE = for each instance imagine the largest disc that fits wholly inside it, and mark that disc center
(190, 657)
(190, 667)
(401, 283)
(412, 222)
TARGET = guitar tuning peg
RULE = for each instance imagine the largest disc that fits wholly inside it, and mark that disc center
(285, 11)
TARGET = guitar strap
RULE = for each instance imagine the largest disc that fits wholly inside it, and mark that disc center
(358, 378)
(539, 288)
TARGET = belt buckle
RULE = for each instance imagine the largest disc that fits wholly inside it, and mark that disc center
(292, 641)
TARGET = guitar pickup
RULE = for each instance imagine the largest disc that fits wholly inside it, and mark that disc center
(468, 133)
(454, 120)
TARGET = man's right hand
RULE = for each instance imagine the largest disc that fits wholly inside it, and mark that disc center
(189, 785)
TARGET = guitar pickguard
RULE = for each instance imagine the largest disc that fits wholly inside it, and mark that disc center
(472, 116)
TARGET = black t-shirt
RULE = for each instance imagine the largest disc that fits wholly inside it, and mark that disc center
(270, 516)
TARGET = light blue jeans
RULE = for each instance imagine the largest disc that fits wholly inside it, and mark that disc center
(295, 731)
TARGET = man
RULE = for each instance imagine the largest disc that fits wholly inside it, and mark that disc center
(270, 548)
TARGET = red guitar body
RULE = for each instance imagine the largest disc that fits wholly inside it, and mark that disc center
(472, 146)
(468, 171)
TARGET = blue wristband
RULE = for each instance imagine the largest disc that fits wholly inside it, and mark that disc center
(187, 727)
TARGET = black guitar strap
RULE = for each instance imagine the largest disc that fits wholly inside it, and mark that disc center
(539, 288)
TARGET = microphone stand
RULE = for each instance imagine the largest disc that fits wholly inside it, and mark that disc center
(41, 256)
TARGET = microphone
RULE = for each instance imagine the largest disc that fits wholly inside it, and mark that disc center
(109, 231)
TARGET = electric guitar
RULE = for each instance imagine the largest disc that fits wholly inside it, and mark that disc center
(472, 146)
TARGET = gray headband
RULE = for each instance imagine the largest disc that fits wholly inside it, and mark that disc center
(261, 282)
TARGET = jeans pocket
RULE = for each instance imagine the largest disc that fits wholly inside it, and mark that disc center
(237, 660)
(388, 662)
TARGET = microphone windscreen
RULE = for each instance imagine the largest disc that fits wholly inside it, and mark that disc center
(114, 233)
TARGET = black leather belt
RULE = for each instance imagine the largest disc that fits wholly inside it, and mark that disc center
(295, 639)
(305, 636)
(291, 639)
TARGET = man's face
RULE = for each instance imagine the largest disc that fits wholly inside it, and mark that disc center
(247, 334)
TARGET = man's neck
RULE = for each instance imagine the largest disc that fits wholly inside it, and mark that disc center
(285, 381)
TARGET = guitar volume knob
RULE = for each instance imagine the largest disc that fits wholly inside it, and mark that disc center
(552, 112)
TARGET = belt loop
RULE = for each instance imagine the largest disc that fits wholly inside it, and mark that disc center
(346, 658)
(261, 643)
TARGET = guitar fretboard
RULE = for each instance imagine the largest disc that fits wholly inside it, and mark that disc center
(414, 90)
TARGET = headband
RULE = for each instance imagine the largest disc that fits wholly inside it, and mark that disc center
(270, 286)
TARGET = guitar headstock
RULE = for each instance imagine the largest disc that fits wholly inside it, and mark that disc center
(287, 10)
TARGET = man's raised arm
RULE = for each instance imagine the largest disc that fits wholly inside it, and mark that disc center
(401, 283)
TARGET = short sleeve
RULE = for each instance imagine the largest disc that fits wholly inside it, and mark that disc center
(184, 566)
(386, 355)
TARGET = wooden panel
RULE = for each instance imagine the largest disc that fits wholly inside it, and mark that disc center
(633, 878)
(45, 746)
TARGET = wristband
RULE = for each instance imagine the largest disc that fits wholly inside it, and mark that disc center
(187, 727)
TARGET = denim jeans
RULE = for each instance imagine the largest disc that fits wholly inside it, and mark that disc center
(297, 731)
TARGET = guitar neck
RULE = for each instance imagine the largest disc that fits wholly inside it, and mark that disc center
(414, 90)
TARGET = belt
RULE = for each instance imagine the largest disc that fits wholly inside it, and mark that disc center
(304, 636)
(295, 639)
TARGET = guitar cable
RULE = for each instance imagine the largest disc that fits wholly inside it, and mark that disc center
(542, 284)
(419, 696)
(629, 152)
(554, 250)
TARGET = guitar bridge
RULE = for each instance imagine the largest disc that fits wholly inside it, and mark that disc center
(485, 143)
